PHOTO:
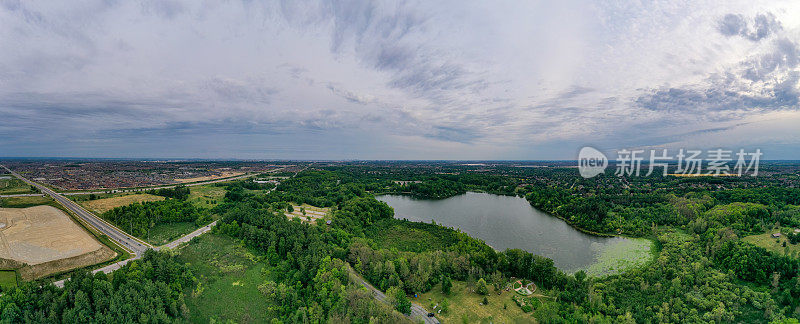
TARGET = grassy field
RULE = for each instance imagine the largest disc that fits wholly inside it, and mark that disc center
(99, 206)
(165, 233)
(206, 196)
(774, 244)
(10, 185)
(25, 202)
(465, 305)
(312, 214)
(8, 279)
(228, 275)
(621, 256)
(410, 236)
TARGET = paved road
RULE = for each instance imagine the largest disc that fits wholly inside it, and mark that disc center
(171, 245)
(417, 311)
(22, 195)
(128, 242)
(188, 237)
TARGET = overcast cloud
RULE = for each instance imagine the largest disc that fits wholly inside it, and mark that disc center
(387, 80)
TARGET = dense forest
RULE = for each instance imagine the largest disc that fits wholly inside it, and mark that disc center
(149, 290)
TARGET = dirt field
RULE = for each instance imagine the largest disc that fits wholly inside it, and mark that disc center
(100, 206)
(225, 174)
(47, 240)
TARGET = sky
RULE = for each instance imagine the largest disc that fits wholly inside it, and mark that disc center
(462, 80)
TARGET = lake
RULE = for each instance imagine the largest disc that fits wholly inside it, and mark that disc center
(511, 222)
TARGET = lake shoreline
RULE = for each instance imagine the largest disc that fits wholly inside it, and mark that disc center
(511, 222)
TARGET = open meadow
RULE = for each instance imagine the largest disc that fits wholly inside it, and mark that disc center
(8, 280)
(206, 196)
(308, 213)
(228, 278)
(99, 206)
(465, 305)
(780, 245)
(24, 202)
(10, 185)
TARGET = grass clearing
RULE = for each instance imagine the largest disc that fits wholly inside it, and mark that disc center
(11, 185)
(308, 213)
(410, 236)
(25, 202)
(622, 256)
(464, 304)
(228, 278)
(99, 206)
(8, 280)
(206, 196)
(168, 232)
(774, 245)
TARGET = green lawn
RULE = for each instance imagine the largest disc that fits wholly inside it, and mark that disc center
(621, 256)
(8, 279)
(165, 233)
(410, 236)
(464, 304)
(13, 186)
(229, 275)
(206, 196)
(774, 244)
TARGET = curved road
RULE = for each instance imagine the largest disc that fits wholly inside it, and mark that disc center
(171, 245)
(417, 312)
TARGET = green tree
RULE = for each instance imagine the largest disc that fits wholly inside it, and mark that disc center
(447, 284)
(399, 299)
(482, 289)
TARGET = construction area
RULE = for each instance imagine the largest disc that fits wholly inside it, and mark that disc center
(43, 240)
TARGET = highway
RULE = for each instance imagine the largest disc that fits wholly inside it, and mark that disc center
(128, 242)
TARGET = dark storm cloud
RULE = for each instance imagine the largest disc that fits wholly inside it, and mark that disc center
(763, 25)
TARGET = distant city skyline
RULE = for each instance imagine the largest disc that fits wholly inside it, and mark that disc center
(417, 80)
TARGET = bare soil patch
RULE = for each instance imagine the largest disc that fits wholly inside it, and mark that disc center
(224, 174)
(45, 240)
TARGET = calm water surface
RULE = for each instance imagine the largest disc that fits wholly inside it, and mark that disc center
(507, 222)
